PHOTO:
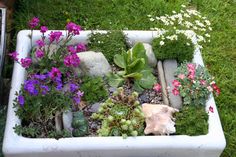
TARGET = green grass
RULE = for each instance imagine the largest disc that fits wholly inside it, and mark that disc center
(219, 55)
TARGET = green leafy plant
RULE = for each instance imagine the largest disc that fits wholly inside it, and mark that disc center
(80, 124)
(135, 68)
(121, 115)
(109, 44)
(194, 84)
(191, 120)
(172, 45)
(94, 89)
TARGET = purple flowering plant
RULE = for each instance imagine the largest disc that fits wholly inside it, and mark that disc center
(48, 88)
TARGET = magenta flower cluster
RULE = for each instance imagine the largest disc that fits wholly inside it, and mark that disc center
(41, 84)
(34, 22)
(72, 60)
(73, 28)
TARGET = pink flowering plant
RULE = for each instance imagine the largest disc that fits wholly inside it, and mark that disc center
(51, 85)
(194, 84)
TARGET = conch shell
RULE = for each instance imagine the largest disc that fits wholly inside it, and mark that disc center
(159, 119)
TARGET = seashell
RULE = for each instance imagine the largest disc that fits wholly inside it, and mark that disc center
(159, 119)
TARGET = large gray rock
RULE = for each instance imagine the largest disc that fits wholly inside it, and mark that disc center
(150, 54)
(162, 82)
(170, 67)
(67, 118)
(93, 64)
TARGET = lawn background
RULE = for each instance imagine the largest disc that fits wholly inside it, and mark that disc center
(219, 56)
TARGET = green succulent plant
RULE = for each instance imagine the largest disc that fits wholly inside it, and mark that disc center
(121, 115)
(134, 65)
(80, 124)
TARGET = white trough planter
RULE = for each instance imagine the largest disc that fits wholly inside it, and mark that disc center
(210, 145)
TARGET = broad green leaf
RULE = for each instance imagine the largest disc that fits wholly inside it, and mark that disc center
(114, 80)
(136, 66)
(137, 87)
(119, 60)
(134, 75)
(148, 79)
(139, 51)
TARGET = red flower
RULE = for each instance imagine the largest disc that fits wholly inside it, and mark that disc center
(175, 91)
(157, 87)
(211, 109)
(176, 83)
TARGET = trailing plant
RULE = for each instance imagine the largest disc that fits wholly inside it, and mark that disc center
(79, 124)
(173, 45)
(110, 43)
(45, 90)
(94, 89)
(191, 120)
(121, 115)
(135, 68)
(194, 84)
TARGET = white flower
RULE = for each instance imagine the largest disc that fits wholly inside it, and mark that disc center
(174, 12)
(152, 19)
(188, 44)
(162, 43)
(210, 28)
(207, 35)
(183, 6)
(186, 15)
(208, 22)
(149, 15)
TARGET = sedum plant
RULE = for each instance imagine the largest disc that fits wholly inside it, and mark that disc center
(134, 67)
(121, 115)
(194, 84)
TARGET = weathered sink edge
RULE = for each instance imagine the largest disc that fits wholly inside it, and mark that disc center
(210, 145)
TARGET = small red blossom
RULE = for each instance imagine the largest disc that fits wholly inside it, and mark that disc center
(175, 91)
(25, 62)
(202, 82)
(176, 83)
(157, 87)
(81, 47)
(211, 109)
(216, 88)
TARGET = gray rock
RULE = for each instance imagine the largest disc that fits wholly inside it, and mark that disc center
(162, 82)
(170, 67)
(150, 54)
(93, 64)
(94, 108)
(67, 118)
(152, 62)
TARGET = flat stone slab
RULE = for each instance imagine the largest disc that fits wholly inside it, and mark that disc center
(170, 67)
(93, 64)
(67, 117)
(162, 82)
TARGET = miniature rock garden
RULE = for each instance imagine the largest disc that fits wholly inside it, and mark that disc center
(109, 86)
